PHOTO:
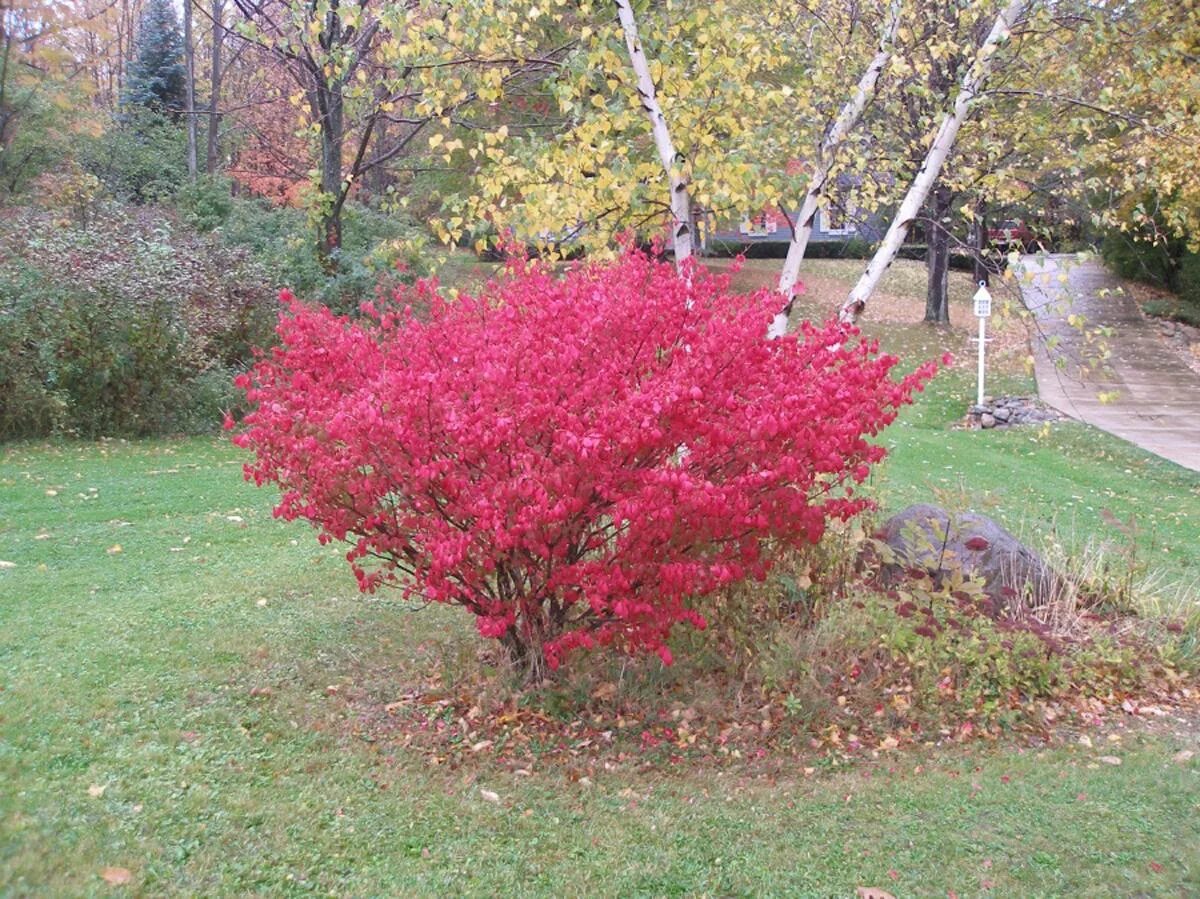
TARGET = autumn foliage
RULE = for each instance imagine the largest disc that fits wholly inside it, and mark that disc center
(574, 458)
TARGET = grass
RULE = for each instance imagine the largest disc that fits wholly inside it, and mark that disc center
(145, 672)
(175, 665)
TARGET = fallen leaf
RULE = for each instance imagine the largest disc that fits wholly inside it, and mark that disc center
(889, 742)
(605, 691)
(1085, 741)
(4, 564)
(116, 876)
(1109, 759)
(1156, 867)
(97, 790)
(872, 893)
(489, 796)
(1183, 756)
(114, 549)
(482, 745)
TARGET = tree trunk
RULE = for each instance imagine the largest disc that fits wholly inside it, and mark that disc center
(329, 237)
(939, 150)
(527, 656)
(212, 159)
(681, 216)
(937, 303)
(845, 122)
(979, 243)
(189, 60)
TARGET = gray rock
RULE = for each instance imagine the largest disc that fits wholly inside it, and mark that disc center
(929, 538)
(987, 420)
(1002, 413)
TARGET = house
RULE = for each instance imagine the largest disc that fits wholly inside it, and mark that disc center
(833, 225)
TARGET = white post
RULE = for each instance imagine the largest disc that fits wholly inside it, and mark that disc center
(983, 308)
(982, 339)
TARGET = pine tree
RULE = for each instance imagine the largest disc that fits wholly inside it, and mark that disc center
(157, 79)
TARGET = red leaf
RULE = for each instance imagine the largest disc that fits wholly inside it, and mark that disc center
(456, 443)
(977, 543)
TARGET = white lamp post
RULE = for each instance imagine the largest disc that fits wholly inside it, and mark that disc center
(983, 308)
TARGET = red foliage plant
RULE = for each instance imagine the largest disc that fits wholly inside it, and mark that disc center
(571, 458)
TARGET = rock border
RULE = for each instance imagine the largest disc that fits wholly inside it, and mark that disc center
(1009, 411)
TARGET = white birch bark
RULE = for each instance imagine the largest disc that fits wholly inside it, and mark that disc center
(842, 126)
(681, 216)
(918, 191)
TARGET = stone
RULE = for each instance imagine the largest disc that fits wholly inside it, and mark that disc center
(929, 538)
(1007, 411)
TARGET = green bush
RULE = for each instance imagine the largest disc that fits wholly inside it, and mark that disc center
(140, 158)
(204, 204)
(378, 250)
(124, 326)
(1153, 262)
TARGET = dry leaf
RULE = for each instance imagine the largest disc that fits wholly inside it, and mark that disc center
(1109, 759)
(482, 745)
(605, 692)
(1183, 756)
(489, 796)
(96, 790)
(114, 549)
(872, 893)
(116, 876)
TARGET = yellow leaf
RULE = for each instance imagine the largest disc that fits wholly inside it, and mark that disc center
(116, 876)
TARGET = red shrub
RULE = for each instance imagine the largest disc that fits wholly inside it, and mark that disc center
(570, 459)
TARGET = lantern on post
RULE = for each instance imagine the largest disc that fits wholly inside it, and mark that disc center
(983, 308)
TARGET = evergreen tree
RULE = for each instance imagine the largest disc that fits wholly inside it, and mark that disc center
(157, 79)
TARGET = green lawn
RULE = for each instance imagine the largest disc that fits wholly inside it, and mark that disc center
(176, 674)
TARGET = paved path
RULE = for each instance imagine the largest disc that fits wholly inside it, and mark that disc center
(1158, 402)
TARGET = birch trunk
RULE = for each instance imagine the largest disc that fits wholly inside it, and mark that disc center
(918, 191)
(681, 215)
(189, 59)
(842, 126)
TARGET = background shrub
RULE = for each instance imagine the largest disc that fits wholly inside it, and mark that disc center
(379, 251)
(124, 325)
(141, 158)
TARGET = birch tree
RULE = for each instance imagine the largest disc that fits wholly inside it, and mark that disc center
(680, 202)
(943, 142)
(848, 118)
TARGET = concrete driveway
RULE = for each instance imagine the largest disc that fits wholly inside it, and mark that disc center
(1157, 397)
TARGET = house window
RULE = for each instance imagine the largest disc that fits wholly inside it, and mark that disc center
(835, 220)
(758, 226)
